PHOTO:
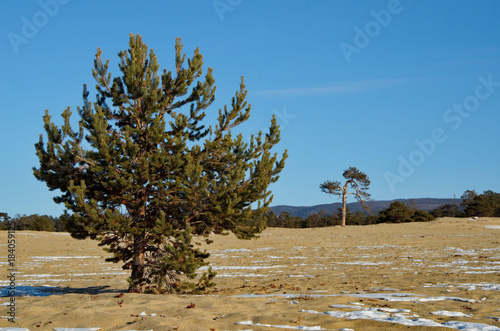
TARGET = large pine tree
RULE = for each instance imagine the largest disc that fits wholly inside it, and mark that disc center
(142, 175)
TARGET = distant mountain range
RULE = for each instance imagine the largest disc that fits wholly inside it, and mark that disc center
(426, 204)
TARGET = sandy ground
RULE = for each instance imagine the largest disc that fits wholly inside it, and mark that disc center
(287, 277)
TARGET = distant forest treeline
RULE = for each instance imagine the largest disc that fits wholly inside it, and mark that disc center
(471, 204)
(35, 222)
(426, 204)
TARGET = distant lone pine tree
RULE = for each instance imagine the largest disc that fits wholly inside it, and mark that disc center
(357, 180)
(142, 175)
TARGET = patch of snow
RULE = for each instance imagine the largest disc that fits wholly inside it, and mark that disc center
(395, 310)
(345, 306)
(461, 250)
(287, 295)
(378, 289)
(437, 285)
(40, 281)
(232, 250)
(450, 313)
(41, 275)
(496, 227)
(446, 298)
(55, 258)
(407, 297)
(375, 314)
(388, 296)
(481, 286)
(378, 247)
(242, 267)
(102, 273)
(299, 327)
(242, 275)
(490, 287)
(365, 263)
(33, 234)
(217, 255)
(470, 326)
(263, 249)
(401, 297)
(493, 267)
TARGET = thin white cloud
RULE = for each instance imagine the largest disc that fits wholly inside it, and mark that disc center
(470, 53)
(330, 89)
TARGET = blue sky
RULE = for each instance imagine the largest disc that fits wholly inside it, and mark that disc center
(407, 91)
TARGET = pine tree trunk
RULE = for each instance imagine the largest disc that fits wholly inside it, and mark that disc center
(344, 208)
(137, 276)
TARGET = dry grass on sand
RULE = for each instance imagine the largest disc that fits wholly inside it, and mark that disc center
(386, 275)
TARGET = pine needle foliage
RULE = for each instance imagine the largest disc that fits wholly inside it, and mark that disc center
(142, 175)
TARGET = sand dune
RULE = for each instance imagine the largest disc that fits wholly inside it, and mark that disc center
(422, 276)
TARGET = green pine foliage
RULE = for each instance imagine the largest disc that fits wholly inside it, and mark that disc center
(396, 212)
(486, 204)
(447, 210)
(142, 174)
(472, 204)
(35, 222)
(4, 219)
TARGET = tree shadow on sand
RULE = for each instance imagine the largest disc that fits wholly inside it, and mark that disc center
(41, 291)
